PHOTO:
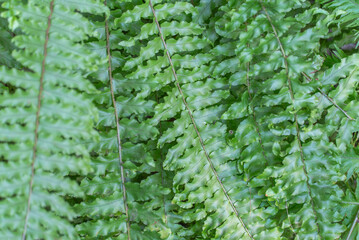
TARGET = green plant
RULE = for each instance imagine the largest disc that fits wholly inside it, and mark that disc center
(45, 117)
(204, 119)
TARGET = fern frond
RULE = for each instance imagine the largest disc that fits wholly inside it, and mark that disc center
(286, 106)
(42, 144)
(249, 134)
(124, 197)
(341, 83)
(167, 119)
(345, 13)
(193, 102)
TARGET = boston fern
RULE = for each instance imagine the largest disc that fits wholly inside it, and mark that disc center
(179, 120)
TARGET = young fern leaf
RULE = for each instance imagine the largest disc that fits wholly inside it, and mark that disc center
(194, 123)
(136, 183)
(288, 106)
(118, 133)
(290, 89)
(344, 76)
(37, 121)
(230, 229)
(41, 137)
(252, 138)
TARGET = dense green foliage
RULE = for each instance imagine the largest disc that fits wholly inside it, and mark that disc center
(179, 120)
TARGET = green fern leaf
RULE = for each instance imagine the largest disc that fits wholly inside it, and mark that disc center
(123, 196)
(41, 136)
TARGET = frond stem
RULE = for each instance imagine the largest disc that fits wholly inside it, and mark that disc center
(117, 128)
(289, 83)
(353, 203)
(37, 121)
(194, 123)
(356, 219)
(329, 98)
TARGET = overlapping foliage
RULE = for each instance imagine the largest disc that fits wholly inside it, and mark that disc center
(164, 119)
